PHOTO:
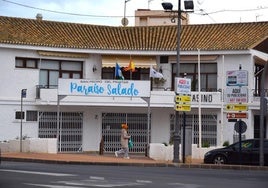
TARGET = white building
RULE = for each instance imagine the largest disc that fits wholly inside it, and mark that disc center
(35, 53)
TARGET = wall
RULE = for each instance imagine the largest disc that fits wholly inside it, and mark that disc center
(35, 145)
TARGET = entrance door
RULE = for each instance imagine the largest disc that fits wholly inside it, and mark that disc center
(137, 128)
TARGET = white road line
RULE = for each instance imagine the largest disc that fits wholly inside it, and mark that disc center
(96, 178)
(183, 185)
(52, 186)
(144, 181)
(37, 173)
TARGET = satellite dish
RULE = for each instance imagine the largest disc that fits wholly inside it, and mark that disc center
(124, 21)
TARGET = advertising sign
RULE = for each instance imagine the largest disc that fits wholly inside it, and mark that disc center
(236, 94)
(113, 88)
(237, 78)
(183, 85)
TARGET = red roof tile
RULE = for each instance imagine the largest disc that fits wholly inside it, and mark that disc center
(233, 36)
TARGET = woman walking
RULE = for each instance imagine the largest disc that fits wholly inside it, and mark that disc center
(124, 142)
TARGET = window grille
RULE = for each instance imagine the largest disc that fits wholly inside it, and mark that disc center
(31, 115)
(209, 127)
(70, 130)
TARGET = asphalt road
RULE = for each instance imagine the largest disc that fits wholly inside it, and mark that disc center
(34, 175)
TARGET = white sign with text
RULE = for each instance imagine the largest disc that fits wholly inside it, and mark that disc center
(113, 88)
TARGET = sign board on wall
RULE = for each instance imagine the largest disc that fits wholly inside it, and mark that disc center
(104, 88)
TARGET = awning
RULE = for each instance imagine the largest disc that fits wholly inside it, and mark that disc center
(194, 58)
(63, 54)
(123, 61)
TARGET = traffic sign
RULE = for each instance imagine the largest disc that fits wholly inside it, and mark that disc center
(183, 98)
(240, 127)
(182, 107)
(237, 107)
(237, 115)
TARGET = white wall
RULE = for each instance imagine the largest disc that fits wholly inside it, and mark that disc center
(91, 130)
(160, 131)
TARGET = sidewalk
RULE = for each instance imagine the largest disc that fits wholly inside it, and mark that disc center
(83, 158)
(110, 159)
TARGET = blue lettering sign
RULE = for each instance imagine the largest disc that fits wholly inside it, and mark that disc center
(119, 90)
(86, 90)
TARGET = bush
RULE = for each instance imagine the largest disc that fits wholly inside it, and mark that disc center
(205, 144)
(225, 144)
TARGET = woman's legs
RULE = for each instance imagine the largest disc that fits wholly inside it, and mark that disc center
(122, 151)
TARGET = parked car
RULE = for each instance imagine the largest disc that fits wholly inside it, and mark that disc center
(250, 153)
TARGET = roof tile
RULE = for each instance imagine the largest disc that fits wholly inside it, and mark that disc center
(232, 36)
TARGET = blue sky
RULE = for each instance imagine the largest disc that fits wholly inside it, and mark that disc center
(110, 12)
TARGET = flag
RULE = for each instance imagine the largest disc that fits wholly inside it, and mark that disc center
(118, 73)
(155, 74)
(131, 66)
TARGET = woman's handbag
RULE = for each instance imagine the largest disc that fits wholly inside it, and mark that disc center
(130, 143)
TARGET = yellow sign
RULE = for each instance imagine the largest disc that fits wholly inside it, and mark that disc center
(237, 107)
(183, 107)
(182, 98)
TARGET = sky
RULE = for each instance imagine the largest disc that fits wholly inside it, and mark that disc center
(110, 12)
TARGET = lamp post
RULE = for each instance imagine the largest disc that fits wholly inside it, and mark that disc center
(263, 109)
(23, 95)
(188, 4)
(124, 21)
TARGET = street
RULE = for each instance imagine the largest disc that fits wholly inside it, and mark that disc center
(34, 175)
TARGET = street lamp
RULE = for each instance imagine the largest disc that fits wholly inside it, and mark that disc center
(23, 95)
(188, 5)
(124, 20)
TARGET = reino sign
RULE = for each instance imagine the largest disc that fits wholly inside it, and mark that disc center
(114, 88)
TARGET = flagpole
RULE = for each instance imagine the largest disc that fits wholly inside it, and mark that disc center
(199, 103)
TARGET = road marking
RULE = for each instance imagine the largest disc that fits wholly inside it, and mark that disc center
(96, 178)
(52, 186)
(37, 173)
(144, 181)
(184, 185)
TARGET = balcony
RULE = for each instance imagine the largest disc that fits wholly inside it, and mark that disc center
(159, 98)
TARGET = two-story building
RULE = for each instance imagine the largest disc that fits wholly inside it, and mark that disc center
(34, 54)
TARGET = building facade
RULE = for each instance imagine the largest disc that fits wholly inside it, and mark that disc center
(36, 53)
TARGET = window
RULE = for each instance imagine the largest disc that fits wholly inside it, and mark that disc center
(26, 63)
(163, 59)
(31, 115)
(51, 70)
(208, 75)
(19, 115)
(108, 73)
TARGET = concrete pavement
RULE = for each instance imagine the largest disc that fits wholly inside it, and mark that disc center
(110, 159)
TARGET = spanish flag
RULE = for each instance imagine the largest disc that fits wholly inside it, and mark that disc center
(131, 66)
